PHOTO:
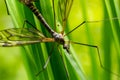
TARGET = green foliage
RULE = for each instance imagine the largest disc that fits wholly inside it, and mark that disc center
(84, 62)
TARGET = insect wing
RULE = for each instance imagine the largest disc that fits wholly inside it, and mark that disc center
(20, 36)
(64, 9)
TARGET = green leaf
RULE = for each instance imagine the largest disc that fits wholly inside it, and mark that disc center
(84, 62)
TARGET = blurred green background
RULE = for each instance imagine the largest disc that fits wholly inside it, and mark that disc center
(11, 62)
(104, 34)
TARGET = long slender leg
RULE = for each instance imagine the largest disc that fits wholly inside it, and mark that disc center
(94, 46)
(26, 21)
(7, 7)
(67, 74)
(84, 22)
(47, 61)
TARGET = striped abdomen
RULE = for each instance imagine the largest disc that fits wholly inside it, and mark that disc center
(40, 17)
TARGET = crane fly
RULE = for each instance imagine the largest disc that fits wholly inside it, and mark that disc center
(23, 36)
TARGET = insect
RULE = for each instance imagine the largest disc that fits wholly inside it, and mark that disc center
(15, 37)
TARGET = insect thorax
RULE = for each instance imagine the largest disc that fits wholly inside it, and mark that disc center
(58, 38)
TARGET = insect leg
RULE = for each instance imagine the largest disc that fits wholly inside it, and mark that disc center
(7, 7)
(84, 22)
(67, 74)
(26, 21)
(47, 61)
(75, 28)
(94, 46)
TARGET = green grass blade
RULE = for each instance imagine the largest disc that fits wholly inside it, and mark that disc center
(83, 63)
(35, 55)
